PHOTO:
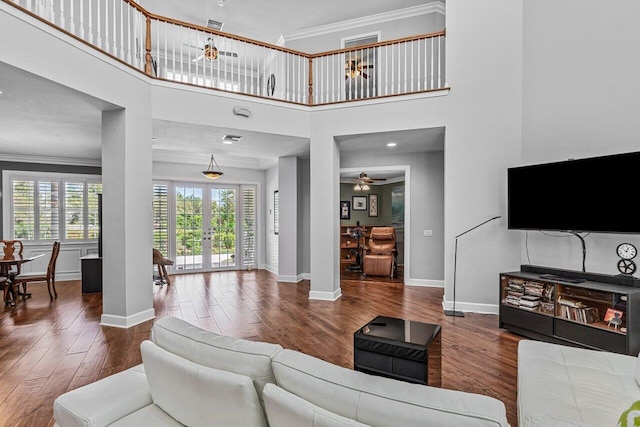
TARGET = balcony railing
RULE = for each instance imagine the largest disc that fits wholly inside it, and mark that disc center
(168, 49)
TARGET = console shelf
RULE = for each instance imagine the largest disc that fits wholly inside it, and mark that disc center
(589, 314)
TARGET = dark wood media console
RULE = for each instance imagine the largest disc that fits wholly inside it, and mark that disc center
(572, 308)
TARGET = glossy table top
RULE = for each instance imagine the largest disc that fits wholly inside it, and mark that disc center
(400, 330)
(18, 259)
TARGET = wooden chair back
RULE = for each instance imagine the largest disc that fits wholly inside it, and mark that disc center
(51, 269)
(9, 247)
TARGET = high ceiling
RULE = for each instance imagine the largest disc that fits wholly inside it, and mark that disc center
(44, 119)
(267, 20)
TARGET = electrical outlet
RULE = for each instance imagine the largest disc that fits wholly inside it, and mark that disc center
(428, 233)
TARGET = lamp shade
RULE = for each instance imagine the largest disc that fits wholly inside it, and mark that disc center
(212, 173)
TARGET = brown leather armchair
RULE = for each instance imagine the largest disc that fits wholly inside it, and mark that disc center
(380, 253)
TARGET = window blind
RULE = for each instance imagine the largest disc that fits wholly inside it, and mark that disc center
(93, 225)
(161, 218)
(23, 203)
(48, 209)
(74, 210)
(248, 226)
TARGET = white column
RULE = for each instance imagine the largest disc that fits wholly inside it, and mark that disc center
(325, 221)
(289, 240)
(127, 284)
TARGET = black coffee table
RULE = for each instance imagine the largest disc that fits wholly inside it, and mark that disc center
(399, 349)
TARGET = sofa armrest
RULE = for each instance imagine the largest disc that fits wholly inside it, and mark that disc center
(103, 402)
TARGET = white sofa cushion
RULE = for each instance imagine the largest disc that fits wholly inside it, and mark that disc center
(380, 401)
(151, 415)
(577, 386)
(244, 357)
(197, 395)
(285, 409)
(103, 402)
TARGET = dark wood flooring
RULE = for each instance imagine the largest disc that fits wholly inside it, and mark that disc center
(47, 348)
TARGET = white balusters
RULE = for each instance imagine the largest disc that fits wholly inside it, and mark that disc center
(72, 25)
(114, 43)
(121, 44)
(61, 23)
(439, 64)
(82, 19)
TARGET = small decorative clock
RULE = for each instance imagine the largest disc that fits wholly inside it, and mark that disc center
(626, 251)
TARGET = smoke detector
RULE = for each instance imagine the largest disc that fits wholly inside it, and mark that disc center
(215, 25)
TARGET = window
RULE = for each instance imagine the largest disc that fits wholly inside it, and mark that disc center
(276, 212)
(161, 218)
(248, 226)
(44, 207)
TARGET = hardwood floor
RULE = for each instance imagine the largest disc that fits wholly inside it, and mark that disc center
(47, 348)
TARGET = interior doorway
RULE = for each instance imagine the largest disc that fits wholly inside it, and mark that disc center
(378, 200)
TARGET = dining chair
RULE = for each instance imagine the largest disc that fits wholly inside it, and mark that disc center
(49, 276)
(161, 262)
(12, 247)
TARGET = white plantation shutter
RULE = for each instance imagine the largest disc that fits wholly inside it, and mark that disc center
(161, 218)
(48, 209)
(93, 226)
(248, 226)
(42, 206)
(23, 202)
(74, 210)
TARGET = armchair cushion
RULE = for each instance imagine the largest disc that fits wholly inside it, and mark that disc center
(197, 395)
(103, 402)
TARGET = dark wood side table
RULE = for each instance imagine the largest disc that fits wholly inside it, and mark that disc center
(399, 349)
(91, 273)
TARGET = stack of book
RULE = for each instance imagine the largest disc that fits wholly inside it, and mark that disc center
(577, 311)
(529, 301)
(515, 290)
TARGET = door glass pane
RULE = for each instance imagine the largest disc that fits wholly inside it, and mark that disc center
(223, 227)
(188, 228)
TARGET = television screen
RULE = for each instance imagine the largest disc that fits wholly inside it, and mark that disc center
(594, 194)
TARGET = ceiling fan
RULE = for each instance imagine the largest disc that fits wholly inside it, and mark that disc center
(363, 180)
(354, 68)
(210, 51)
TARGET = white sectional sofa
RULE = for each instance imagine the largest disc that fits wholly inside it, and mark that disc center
(566, 386)
(193, 377)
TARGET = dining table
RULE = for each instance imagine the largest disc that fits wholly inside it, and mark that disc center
(6, 262)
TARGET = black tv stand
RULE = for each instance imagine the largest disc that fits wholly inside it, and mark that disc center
(572, 274)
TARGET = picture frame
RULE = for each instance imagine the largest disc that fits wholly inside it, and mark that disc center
(373, 205)
(359, 203)
(345, 209)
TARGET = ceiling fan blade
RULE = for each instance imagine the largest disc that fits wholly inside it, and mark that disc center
(197, 58)
(192, 46)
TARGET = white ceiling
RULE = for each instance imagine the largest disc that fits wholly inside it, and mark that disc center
(267, 20)
(39, 118)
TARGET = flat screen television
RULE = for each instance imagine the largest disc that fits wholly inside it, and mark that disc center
(586, 195)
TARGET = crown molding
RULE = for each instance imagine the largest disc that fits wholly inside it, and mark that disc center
(394, 15)
(24, 158)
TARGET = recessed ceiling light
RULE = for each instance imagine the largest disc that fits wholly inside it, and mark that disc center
(231, 139)
(391, 144)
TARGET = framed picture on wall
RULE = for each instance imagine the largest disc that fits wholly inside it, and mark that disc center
(345, 210)
(359, 203)
(373, 205)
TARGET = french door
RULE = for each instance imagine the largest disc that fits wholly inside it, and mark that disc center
(214, 227)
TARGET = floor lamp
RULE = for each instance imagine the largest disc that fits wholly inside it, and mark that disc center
(453, 312)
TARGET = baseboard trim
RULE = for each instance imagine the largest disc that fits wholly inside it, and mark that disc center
(271, 269)
(426, 283)
(471, 307)
(306, 276)
(289, 279)
(125, 322)
(325, 296)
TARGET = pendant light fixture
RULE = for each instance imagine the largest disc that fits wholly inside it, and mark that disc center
(212, 173)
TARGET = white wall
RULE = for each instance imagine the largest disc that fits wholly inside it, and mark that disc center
(483, 138)
(420, 24)
(580, 99)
